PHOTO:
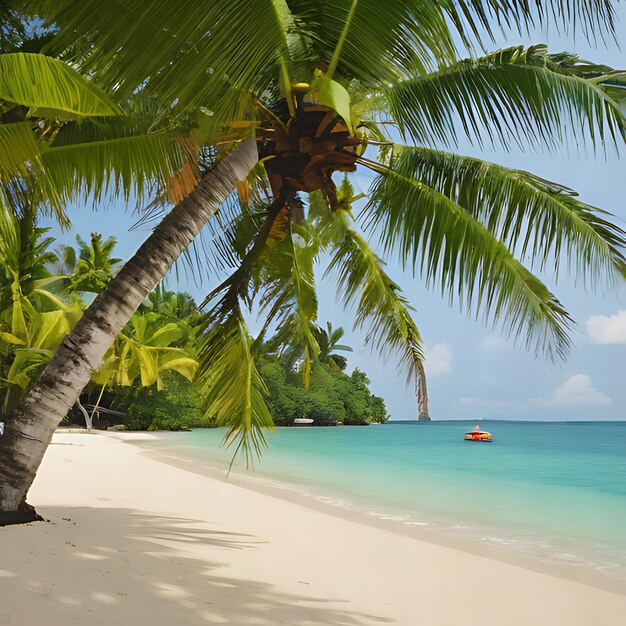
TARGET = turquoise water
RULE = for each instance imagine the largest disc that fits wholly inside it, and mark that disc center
(554, 489)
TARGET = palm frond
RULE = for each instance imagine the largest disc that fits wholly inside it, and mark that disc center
(18, 149)
(289, 298)
(255, 242)
(101, 156)
(228, 235)
(128, 166)
(475, 17)
(512, 95)
(235, 392)
(51, 87)
(380, 306)
(224, 242)
(95, 129)
(399, 40)
(527, 213)
(435, 236)
(221, 47)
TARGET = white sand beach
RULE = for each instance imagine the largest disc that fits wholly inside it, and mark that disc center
(131, 539)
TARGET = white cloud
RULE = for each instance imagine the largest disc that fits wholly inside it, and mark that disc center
(438, 360)
(575, 391)
(607, 329)
(493, 343)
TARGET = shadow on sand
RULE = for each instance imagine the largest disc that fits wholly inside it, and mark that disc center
(117, 566)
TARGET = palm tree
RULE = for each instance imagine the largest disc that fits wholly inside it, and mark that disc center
(62, 137)
(94, 266)
(33, 319)
(24, 254)
(328, 343)
(311, 87)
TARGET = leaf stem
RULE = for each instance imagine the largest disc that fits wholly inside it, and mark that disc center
(344, 33)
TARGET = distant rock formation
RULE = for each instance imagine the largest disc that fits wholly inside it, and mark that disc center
(424, 417)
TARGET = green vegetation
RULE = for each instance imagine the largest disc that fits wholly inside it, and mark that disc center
(146, 374)
(39, 307)
(178, 405)
(333, 397)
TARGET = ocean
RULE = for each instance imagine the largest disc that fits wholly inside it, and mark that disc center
(556, 490)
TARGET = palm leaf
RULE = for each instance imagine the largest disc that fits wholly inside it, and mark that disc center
(380, 306)
(253, 245)
(372, 45)
(129, 166)
(18, 149)
(177, 361)
(476, 17)
(221, 47)
(507, 96)
(289, 298)
(434, 235)
(51, 87)
(525, 212)
(99, 156)
(235, 392)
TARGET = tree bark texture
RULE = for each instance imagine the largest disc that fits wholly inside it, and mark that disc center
(422, 394)
(29, 431)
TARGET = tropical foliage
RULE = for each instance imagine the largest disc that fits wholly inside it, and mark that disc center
(147, 373)
(39, 308)
(33, 319)
(332, 398)
(63, 137)
(91, 267)
(328, 341)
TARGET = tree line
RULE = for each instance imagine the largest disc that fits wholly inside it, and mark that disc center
(145, 380)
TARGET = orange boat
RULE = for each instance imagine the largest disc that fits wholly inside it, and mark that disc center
(478, 435)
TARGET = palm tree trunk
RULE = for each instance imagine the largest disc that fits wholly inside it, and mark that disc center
(422, 394)
(28, 432)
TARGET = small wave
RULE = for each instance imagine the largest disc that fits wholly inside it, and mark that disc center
(570, 558)
(500, 540)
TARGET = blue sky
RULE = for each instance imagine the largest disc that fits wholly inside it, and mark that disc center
(472, 371)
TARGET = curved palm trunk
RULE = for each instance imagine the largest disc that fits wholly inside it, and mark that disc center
(422, 394)
(28, 433)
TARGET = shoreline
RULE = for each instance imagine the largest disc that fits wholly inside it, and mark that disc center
(132, 537)
(333, 504)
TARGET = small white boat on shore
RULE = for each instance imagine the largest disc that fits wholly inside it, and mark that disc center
(302, 421)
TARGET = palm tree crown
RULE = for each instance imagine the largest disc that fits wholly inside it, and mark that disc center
(328, 341)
